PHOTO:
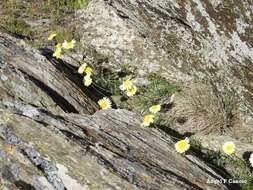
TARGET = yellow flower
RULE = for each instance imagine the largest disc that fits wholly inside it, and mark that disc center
(251, 159)
(228, 147)
(88, 70)
(68, 45)
(81, 69)
(126, 84)
(131, 91)
(147, 120)
(182, 145)
(51, 36)
(58, 45)
(105, 103)
(155, 108)
(57, 53)
(87, 80)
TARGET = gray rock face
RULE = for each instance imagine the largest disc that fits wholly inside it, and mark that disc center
(208, 39)
(108, 150)
(27, 75)
(43, 147)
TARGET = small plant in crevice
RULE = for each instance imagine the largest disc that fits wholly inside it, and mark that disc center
(226, 162)
(238, 168)
(158, 90)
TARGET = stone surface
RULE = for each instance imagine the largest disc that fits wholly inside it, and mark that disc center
(212, 142)
(208, 39)
(107, 150)
(27, 75)
(49, 142)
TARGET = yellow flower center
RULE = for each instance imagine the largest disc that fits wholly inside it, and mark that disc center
(182, 144)
(229, 148)
(132, 90)
(58, 45)
(148, 118)
(103, 104)
(127, 83)
(88, 70)
(155, 108)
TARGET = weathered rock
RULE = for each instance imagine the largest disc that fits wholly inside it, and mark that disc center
(108, 150)
(179, 39)
(27, 75)
(212, 142)
(43, 147)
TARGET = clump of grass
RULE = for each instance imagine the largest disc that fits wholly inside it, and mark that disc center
(83, 3)
(208, 109)
(158, 90)
(17, 26)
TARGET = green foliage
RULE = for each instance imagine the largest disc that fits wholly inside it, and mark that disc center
(83, 3)
(17, 26)
(238, 168)
(75, 4)
(232, 167)
(157, 91)
(15, 14)
(108, 83)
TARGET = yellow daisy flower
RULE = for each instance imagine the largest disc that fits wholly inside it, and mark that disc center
(251, 159)
(81, 69)
(57, 53)
(88, 70)
(228, 147)
(147, 120)
(155, 108)
(182, 145)
(126, 84)
(58, 46)
(105, 103)
(51, 36)
(131, 91)
(87, 80)
(68, 45)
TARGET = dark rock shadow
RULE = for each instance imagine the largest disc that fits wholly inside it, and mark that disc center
(70, 72)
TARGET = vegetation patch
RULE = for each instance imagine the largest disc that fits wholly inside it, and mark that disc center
(157, 91)
(35, 20)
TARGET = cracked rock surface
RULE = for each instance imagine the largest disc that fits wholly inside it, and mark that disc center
(210, 39)
(107, 150)
(51, 139)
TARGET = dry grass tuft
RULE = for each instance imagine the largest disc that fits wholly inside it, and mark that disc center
(204, 109)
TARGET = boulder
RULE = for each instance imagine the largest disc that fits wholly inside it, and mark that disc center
(106, 150)
(29, 76)
(181, 40)
(52, 137)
